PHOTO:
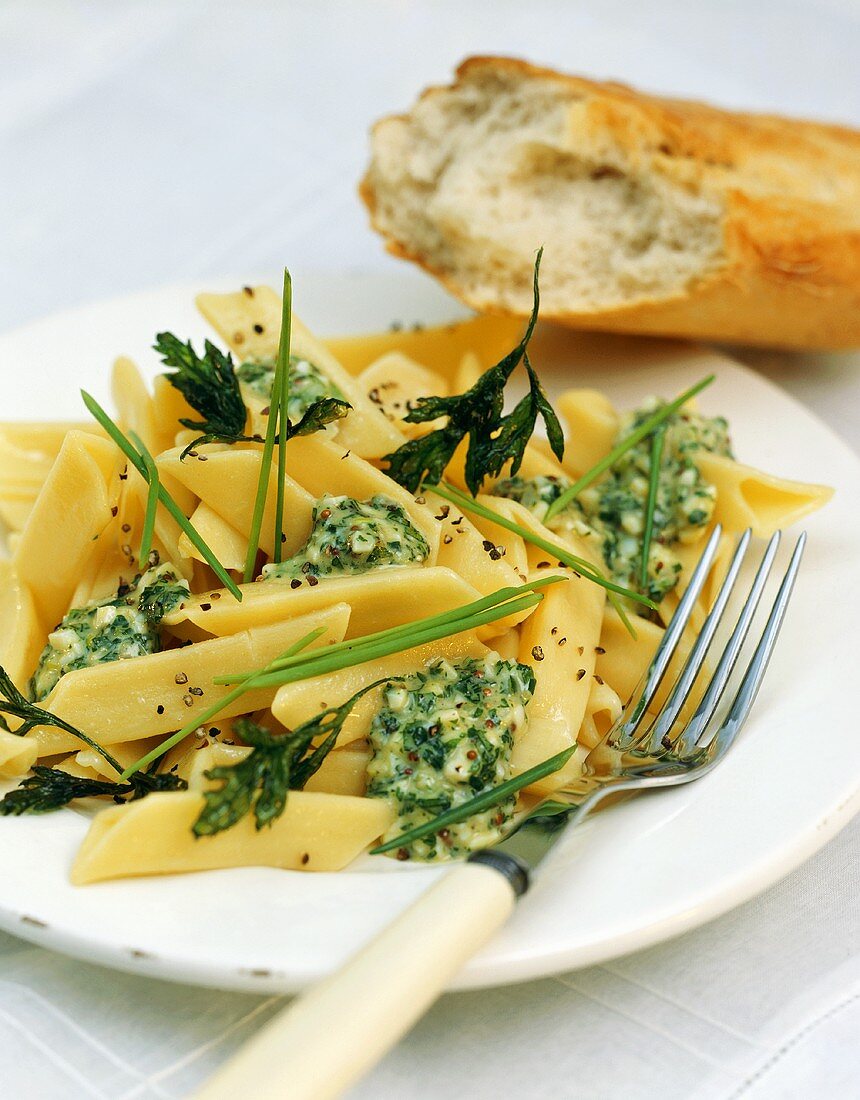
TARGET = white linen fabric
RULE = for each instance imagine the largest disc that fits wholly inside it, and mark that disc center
(146, 143)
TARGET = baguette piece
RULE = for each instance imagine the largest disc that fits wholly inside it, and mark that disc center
(657, 215)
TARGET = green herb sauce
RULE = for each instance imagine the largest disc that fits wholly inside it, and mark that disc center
(307, 384)
(112, 629)
(613, 508)
(443, 736)
(353, 536)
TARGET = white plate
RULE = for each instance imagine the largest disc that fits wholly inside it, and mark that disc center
(634, 875)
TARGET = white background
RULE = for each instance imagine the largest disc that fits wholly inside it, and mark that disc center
(152, 143)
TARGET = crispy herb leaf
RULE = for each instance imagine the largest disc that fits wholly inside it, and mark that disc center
(50, 789)
(277, 764)
(209, 385)
(493, 438)
(317, 415)
(260, 781)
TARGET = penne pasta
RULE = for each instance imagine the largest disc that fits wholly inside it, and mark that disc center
(71, 512)
(440, 348)
(250, 324)
(747, 497)
(17, 754)
(22, 634)
(601, 712)
(170, 686)
(317, 832)
(394, 382)
(476, 559)
(227, 483)
(559, 640)
(377, 600)
(318, 463)
(227, 543)
(592, 425)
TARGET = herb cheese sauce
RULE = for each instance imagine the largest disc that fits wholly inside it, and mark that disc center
(353, 536)
(307, 384)
(613, 508)
(443, 736)
(113, 629)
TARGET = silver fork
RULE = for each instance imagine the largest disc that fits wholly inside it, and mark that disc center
(332, 1035)
(639, 753)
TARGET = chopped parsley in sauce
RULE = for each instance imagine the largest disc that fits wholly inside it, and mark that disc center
(353, 536)
(443, 736)
(110, 629)
(307, 384)
(612, 509)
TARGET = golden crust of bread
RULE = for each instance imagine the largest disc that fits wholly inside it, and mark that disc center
(790, 193)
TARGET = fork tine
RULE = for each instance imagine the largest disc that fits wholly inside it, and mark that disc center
(754, 674)
(672, 707)
(690, 735)
(634, 712)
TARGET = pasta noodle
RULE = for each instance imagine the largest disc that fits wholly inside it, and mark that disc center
(592, 424)
(376, 601)
(749, 498)
(168, 685)
(73, 509)
(250, 324)
(317, 832)
(227, 483)
(560, 641)
(227, 543)
(440, 347)
(394, 382)
(21, 632)
(17, 755)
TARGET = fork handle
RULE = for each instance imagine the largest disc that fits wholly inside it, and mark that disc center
(329, 1037)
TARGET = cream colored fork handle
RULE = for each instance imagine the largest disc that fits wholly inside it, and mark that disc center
(328, 1038)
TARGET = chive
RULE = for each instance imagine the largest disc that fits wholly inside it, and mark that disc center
(476, 805)
(498, 605)
(151, 500)
(328, 663)
(269, 445)
(591, 572)
(405, 631)
(215, 709)
(138, 460)
(287, 669)
(657, 441)
(282, 374)
(644, 429)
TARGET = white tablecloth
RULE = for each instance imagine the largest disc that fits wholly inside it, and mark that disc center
(160, 142)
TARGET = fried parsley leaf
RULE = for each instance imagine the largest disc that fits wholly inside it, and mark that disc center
(49, 789)
(277, 764)
(494, 439)
(209, 385)
(259, 782)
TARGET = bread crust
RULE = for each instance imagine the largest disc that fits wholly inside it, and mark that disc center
(789, 190)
